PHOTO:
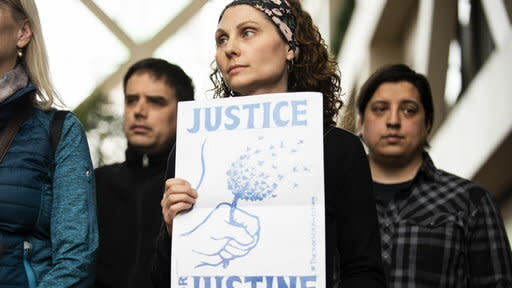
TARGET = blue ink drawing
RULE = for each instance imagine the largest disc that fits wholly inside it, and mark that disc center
(229, 232)
(202, 166)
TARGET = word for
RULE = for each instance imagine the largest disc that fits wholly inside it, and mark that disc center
(248, 282)
(250, 116)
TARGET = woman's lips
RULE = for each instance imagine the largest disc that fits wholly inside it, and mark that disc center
(235, 68)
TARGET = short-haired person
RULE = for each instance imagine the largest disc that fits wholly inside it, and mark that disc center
(437, 229)
(129, 193)
(48, 229)
(272, 46)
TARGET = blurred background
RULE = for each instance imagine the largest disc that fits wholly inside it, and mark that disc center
(464, 47)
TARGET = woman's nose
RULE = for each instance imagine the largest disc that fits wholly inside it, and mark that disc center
(232, 48)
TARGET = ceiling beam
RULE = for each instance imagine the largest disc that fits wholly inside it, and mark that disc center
(144, 49)
(109, 23)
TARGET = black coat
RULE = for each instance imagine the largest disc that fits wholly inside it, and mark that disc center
(129, 217)
(351, 218)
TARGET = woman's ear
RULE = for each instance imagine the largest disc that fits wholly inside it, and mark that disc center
(24, 34)
(290, 55)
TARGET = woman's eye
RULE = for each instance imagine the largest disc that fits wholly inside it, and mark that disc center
(247, 33)
(221, 40)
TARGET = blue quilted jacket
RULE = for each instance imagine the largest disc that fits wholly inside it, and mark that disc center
(48, 226)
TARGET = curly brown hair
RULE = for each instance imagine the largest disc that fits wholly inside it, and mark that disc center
(313, 69)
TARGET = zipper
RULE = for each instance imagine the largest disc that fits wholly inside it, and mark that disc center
(145, 160)
(31, 277)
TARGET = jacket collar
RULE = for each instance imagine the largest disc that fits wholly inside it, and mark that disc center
(13, 83)
(19, 94)
(427, 168)
(134, 157)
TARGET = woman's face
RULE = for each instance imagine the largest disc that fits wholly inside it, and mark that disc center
(251, 55)
(13, 34)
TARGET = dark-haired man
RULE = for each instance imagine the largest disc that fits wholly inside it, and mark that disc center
(437, 229)
(129, 193)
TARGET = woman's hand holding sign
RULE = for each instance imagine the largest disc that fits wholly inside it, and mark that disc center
(179, 196)
(227, 233)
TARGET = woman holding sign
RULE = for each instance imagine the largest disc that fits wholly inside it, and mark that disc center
(272, 46)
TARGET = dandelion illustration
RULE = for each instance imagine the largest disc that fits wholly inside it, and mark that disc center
(256, 174)
(248, 179)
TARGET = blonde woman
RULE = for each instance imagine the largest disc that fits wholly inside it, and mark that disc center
(48, 230)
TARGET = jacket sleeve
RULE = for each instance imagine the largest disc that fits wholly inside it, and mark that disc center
(161, 262)
(359, 237)
(74, 231)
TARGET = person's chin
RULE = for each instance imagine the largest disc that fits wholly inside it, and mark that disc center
(240, 83)
(140, 141)
(144, 148)
(393, 151)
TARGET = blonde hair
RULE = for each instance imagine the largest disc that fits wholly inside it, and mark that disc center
(35, 59)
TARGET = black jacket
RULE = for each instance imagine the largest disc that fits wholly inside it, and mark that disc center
(351, 218)
(129, 217)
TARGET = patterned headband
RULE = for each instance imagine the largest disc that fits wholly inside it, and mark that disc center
(279, 12)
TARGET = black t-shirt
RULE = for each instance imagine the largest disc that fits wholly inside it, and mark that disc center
(386, 192)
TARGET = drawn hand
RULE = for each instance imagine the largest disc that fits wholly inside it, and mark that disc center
(222, 240)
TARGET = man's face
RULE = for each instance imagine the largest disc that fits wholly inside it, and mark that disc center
(394, 126)
(149, 113)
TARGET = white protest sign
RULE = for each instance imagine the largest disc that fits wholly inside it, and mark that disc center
(257, 163)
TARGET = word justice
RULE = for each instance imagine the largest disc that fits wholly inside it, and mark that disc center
(250, 116)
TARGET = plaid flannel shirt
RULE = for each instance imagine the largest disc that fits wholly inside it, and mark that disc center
(444, 231)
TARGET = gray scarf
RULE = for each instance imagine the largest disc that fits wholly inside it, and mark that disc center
(12, 81)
